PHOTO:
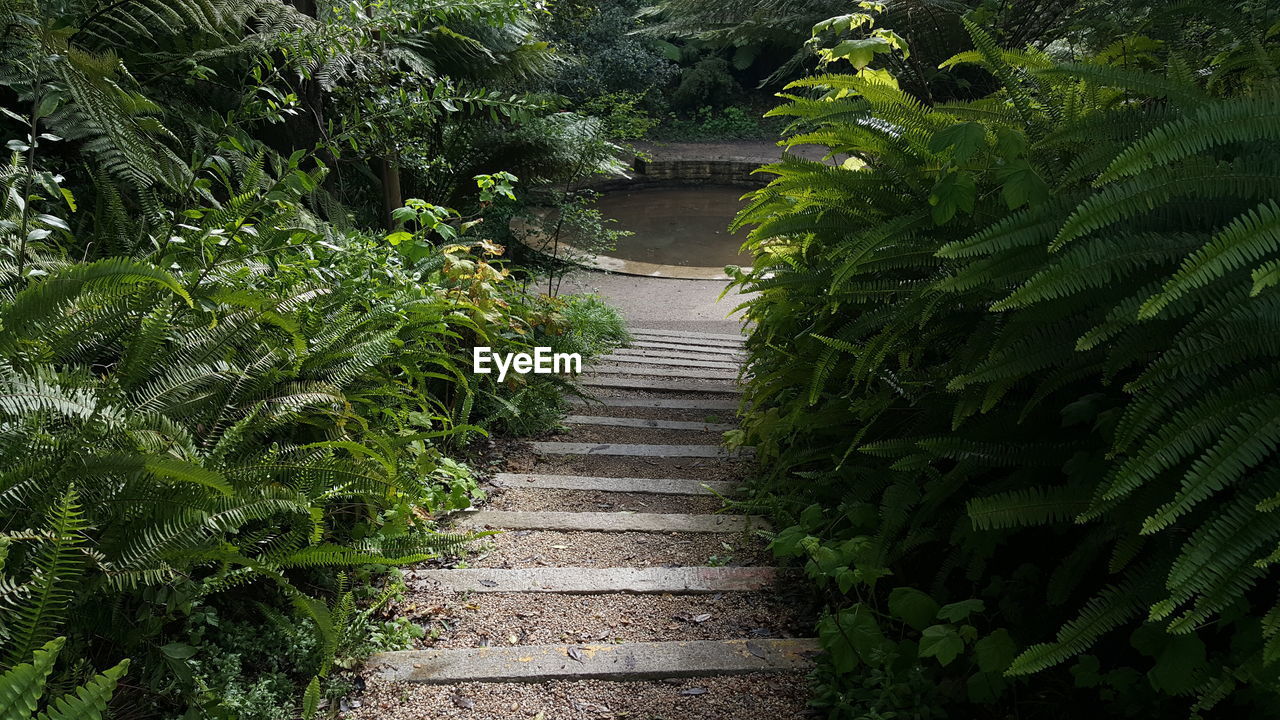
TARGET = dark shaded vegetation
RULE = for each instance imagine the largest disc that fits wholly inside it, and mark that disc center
(234, 348)
(1014, 367)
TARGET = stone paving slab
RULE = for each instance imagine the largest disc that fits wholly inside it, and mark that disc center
(670, 362)
(648, 423)
(598, 581)
(670, 403)
(672, 345)
(650, 353)
(628, 661)
(655, 486)
(658, 451)
(666, 372)
(611, 521)
(678, 336)
(610, 381)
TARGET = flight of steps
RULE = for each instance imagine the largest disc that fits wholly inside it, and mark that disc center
(665, 384)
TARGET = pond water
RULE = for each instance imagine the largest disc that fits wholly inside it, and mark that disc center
(677, 226)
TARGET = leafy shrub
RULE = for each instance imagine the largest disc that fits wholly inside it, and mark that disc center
(621, 114)
(709, 82)
(729, 123)
(1013, 373)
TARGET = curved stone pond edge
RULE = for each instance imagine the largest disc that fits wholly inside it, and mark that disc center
(651, 174)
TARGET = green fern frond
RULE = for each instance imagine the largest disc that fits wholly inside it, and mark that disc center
(1221, 123)
(1026, 507)
(1111, 608)
(1247, 240)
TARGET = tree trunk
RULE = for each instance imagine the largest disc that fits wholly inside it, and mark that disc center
(391, 198)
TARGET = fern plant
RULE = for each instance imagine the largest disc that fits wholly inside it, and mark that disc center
(23, 686)
(1022, 347)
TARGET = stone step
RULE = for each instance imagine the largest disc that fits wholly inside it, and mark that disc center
(648, 423)
(678, 336)
(627, 661)
(612, 381)
(736, 337)
(678, 355)
(652, 486)
(670, 403)
(611, 521)
(629, 450)
(597, 581)
(666, 372)
(669, 362)
(717, 350)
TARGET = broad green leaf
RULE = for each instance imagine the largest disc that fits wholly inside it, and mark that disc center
(995, 652)
(957, 611)
(912, 607)
(963, 139)
(941, 642)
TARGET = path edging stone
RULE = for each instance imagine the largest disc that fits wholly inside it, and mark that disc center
(627, 661)
(611, 521)
(598, 581)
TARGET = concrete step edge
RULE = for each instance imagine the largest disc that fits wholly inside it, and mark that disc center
(639, 450)
(734, 337)
(627, 661)
(611, 521)
(648, 423)
(668, 403)
(668, 362)
(598, 581)
(665, 372)
(657, 385)
(678, 355)
(653, 486)
(686, 347)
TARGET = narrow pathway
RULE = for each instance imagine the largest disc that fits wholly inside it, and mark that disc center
(617, 588)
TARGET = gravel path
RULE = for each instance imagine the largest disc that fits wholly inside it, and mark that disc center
(645, 436)
(771, 697)
(622, 466)
(599, 501)
(717, 416)
(489, 619)
(550, 548)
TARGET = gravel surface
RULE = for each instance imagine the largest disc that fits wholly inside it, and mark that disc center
(516, 498)
(721, 416)
(554, 548)
(634, 436)
(622, 466)
(745, 697)
(664, 303)
(468, 620)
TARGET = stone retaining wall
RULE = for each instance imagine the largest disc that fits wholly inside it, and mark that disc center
(668, 173)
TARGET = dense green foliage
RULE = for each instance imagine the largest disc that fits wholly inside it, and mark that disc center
(225, 399)
(23, 686)
(1015, 376)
